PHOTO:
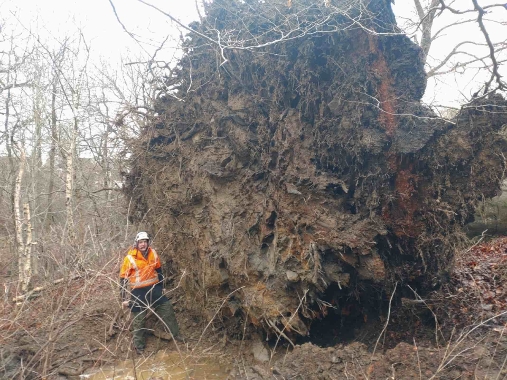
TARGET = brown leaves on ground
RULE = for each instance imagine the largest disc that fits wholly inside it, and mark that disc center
(478, 287)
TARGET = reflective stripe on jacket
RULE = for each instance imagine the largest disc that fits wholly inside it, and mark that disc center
(140, 271)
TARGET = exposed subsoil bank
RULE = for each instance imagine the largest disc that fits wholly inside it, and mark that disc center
(304, 178)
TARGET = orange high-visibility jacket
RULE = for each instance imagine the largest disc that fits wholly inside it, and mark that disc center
(140, 271)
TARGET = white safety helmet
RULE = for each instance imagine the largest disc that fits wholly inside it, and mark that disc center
(142, 236)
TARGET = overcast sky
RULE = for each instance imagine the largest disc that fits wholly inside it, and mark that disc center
(108, 39)
(98, 22)
(453, 89)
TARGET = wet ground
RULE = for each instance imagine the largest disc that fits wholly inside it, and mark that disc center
(161, 365)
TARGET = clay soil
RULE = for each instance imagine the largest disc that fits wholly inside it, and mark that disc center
(457, 331)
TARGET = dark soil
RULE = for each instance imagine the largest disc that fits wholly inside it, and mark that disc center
(304, 179)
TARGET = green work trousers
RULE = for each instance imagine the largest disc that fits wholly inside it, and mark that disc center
(164, 311)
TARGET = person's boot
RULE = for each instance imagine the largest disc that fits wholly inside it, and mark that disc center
(179, 339)
(139, 350)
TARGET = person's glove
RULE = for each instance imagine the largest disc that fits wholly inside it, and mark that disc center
(125, 304)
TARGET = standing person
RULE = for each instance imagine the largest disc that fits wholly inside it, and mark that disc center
(141, 273)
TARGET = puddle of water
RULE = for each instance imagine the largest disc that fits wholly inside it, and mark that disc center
(160, 366)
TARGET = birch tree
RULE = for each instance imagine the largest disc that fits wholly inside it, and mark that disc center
(23, 226)
(12, 81)
(72, 80)
(61, 154)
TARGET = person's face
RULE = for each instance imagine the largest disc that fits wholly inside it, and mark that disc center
(142, 245)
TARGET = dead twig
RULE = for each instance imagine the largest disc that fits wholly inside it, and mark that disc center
(214, 316)
(386, 324)
(437, 328)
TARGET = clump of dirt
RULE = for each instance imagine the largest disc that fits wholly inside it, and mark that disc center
(304, 175)
(457, 331)
(405, 361)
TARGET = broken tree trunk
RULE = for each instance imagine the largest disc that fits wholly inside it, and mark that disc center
(306, 172)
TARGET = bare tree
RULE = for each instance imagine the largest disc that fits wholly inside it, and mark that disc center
(12, 64)
(23, 226)
(72, 85)
(55, 60)
(51, 109)
(483, 50)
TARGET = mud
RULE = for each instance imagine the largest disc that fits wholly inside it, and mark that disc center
(405, 361)
(160, 365)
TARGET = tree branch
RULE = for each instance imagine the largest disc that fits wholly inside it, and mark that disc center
(495, 74)
(16, 85)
